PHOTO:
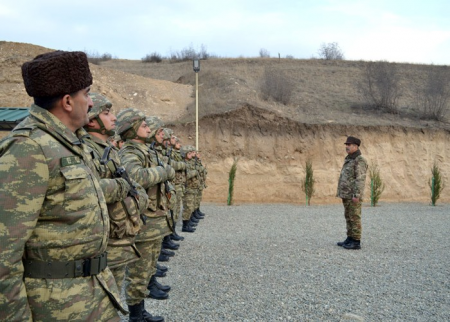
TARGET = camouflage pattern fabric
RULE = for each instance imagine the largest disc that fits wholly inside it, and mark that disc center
(353, 177)
(139, 273)
(142, 168)
(198, 198)
(123, 227)
(179, 182)
(119, 275)
(52, 208)
(189, 202)
(352, 214)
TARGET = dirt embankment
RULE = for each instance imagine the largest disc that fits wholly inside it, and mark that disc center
(273, 150)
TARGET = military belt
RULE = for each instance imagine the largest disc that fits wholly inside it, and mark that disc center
(70, 269)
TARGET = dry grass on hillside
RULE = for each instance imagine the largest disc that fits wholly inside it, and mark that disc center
(324, 92)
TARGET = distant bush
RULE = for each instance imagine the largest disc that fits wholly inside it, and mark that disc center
(380, 85)
(376, 184)
(289, 57)
(152, 58)
(433, 96)
(190, 53)
(277, 86)
(96, 58)
(264, 53)
(331, 51)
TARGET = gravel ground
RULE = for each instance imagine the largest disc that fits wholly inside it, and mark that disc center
(281, 263)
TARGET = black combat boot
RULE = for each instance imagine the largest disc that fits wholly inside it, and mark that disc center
(167, 252)
(193, 219)
(174, 235)
(161, 267)
(344, 242)
(353, 244)
(163, 258)
(160, 273)
(147, 317)
(187, 228)
(198, 215)
(200, 212)
(155, 292)
(164, 288)
(168, 244)
(135, 312)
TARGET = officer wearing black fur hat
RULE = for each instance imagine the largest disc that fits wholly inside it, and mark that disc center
(351, 191)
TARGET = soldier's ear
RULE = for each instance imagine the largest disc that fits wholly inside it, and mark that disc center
(67, 103)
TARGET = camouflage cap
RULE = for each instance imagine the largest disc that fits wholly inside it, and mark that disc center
(185, 149)
(167, 133)
(154, 122)
(127, 119)
(101, 103)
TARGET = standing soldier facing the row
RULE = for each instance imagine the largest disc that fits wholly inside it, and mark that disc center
(54, 222)
(351, 191)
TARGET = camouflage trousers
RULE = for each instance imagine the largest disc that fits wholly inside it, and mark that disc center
(352, 212)
(189, 201)
(72, 299)
(198, 199)
(138, 273)
(119, 275)
(120, 256)
(179, 202)
(118, 259)
(148, 243)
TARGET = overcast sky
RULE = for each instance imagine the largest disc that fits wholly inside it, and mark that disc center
(411, 31)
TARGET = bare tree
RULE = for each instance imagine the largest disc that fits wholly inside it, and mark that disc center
(433, 96)
(264, 53)
(331, 51)
(380, 85)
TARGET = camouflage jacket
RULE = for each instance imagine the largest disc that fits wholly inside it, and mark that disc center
(180, 175)
(202, 174)
(192, 176)
(353, 177)
(51, 209)
(124, 209)
(143, 168)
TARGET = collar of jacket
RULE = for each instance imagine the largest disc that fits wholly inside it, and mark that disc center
(52, 122)
(354, 155)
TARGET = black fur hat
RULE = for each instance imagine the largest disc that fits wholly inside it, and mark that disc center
(353, 140)
(56, 73)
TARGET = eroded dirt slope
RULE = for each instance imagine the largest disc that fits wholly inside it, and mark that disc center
(272, 149)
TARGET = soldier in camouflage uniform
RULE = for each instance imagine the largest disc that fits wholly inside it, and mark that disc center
(192, 186)
(180, 179)
(126, 200)
(202, 176)
(351, 191)
(54, 222)
(172, 157)
(136, 157)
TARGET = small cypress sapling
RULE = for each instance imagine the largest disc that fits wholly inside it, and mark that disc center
(436, 184)
(308, 183)
(376, 184)
(231, 178)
